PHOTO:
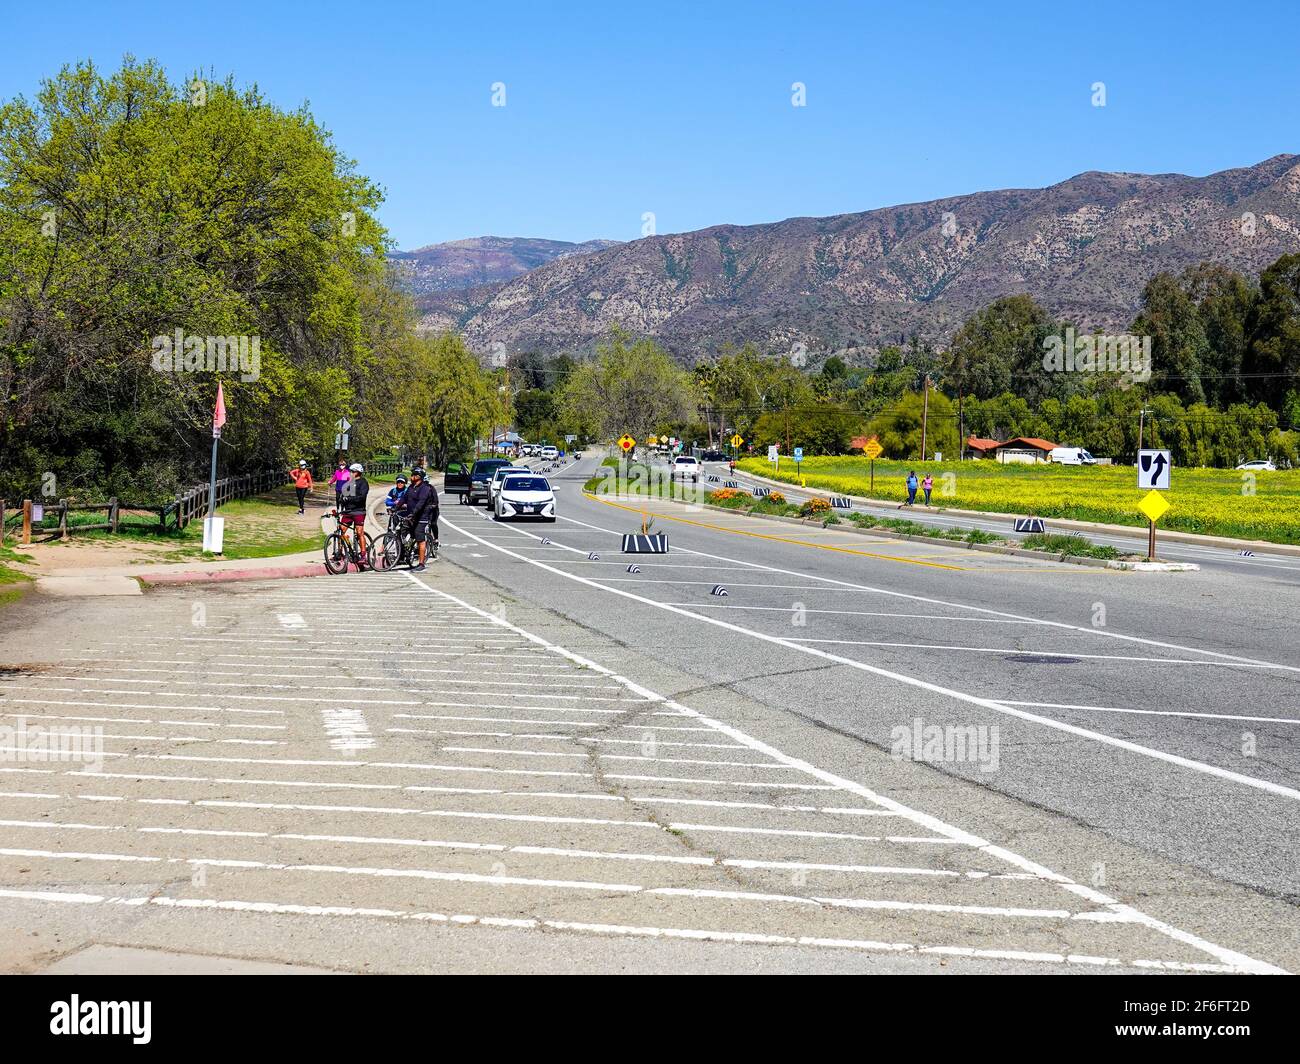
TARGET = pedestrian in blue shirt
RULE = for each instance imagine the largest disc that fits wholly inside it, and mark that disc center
(911, 488)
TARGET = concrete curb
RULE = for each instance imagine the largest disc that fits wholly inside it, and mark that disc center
(219, 576)
(988, 548)
(1096, 528)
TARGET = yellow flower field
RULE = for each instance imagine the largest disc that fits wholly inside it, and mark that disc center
(1222, 502)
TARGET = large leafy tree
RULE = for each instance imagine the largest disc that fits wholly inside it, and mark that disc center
(631, 386)
(131, 208)
(999, 347)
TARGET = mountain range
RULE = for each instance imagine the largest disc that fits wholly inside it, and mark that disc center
(482, 260)
(1084, 248)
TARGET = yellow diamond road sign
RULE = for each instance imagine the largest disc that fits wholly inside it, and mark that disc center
(1153, 504)
(626, 442)
(737, 439)
(873, 450)
(652, 440)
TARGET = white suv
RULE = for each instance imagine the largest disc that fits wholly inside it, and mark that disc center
(551, 453)
(685, 466)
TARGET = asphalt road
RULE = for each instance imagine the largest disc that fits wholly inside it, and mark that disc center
(529, 759)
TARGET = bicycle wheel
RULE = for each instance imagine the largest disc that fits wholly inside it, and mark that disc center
(336, 554)
(385, 552)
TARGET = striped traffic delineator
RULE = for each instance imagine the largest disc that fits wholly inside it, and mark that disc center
(719, 590)
(634, 568)
(841, 502)
(593, 557)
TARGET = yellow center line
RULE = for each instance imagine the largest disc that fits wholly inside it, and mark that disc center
(783, 539)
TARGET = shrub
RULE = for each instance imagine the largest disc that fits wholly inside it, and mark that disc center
(814, 507)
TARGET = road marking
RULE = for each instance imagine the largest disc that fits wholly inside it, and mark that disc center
(1029, 652)
(1153, 712)
(1106, 633)
(934, 824)
(912, 681)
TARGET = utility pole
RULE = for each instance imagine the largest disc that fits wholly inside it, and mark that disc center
(925, 412)
(961, 430)
(1141, 424)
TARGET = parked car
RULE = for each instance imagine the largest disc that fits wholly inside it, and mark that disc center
(524, 495)
(1071, 456)
(479, 478)
(685, 466)
(713, 456)
(1259, 464)
(550, 453)
(494, 483)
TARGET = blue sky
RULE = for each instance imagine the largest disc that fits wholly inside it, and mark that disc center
(615, 109)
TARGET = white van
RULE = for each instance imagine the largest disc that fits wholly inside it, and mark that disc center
(1072, 456)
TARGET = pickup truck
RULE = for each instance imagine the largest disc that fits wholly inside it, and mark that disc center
(471, 482)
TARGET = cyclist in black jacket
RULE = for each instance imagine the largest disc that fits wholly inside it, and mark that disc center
(352, 503)
(420, 503)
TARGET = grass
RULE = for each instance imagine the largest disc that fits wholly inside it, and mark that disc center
(1075, 546)
(262, 526)
(913, 528)
(620, 477)
(13, 584)
(1223, 502)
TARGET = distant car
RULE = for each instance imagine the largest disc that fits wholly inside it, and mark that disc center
(479, 477)
(713, 456)
(494, 485)
(551, 453)
(685, 466)
(1071, 456)
(524, 495)
(1259, 464)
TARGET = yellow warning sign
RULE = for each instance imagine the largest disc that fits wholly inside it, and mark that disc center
(1154, 505)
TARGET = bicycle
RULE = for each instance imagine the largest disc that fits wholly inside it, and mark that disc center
(397, 545)
(343, 548)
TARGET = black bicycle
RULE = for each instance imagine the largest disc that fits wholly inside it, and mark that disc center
(343, 548)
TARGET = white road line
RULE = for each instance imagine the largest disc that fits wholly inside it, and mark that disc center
(1030, 652)
(1105, 633)
(1153, 712)
(854, 613)
(1221, 953)
(614, 930)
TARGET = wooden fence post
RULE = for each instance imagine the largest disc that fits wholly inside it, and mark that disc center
(112, 514)
(2, 522)
(63, 521)
(27, 521)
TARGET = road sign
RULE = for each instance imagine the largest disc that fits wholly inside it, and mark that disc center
(341, 442)
(772, 452)
(736, 440)
(1153, 469)
(342, 425)
(798, 454)
(872, 449)
(570, 438)
(652, 440)
(626, 442)
(1030, 524)
(1153, 505)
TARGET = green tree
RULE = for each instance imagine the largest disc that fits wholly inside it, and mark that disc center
(631, 386)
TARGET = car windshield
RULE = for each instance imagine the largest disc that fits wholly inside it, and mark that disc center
(489, 464)
(525, 484)
(686, 461)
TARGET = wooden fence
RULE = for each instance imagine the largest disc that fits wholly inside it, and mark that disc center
(56, 520)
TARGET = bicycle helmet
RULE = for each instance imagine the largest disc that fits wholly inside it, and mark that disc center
(401, 478)
(355, 467)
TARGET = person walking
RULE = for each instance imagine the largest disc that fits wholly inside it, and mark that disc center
(911, 487)
(302, 483)
(927, 485)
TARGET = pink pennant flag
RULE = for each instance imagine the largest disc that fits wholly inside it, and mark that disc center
(219, 414)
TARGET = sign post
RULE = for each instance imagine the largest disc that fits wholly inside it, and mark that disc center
(774, 456)
(1153, 468)
(873, 450)
(213, 526)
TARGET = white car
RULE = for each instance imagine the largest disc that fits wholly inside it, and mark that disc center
(550, 453)
(685, 466)
(525, 495)
(494, 485)
(1259, 464)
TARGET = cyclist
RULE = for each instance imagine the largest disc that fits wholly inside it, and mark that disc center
(420, 504)
(395, 494)
(352, 500)
(302, 483)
